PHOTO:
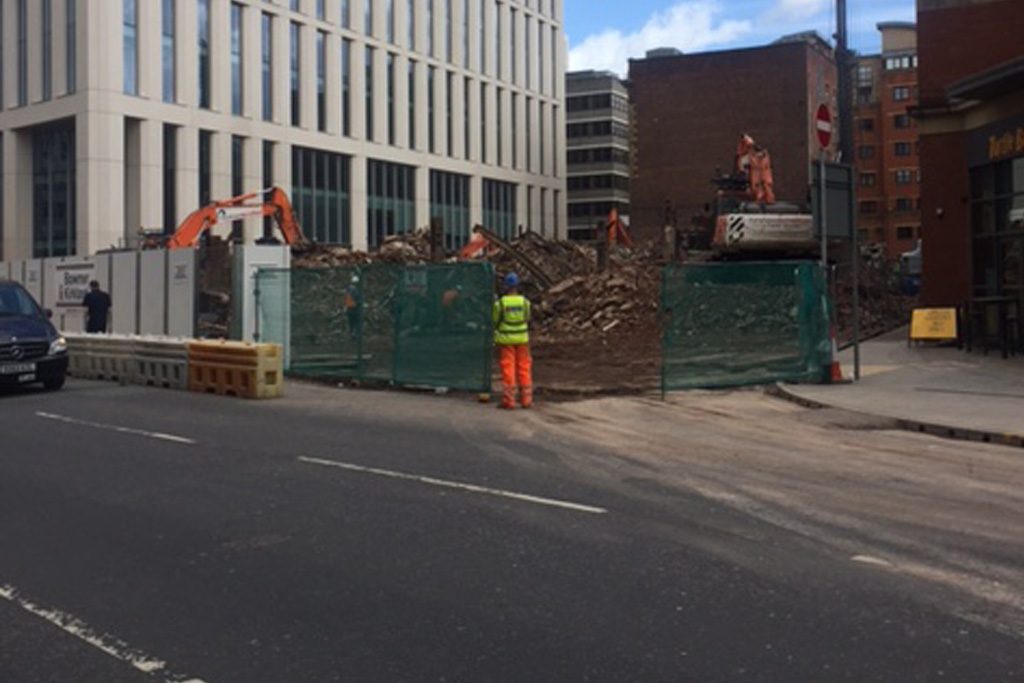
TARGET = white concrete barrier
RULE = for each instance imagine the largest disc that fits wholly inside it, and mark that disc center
(129, 359)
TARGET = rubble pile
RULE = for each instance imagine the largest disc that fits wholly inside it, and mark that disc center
(884, 307)
(412, 247)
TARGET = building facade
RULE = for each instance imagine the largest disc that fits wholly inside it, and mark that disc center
(598, 139)
(121, 116)
(690, 110)
(886, 145)
(971, 122)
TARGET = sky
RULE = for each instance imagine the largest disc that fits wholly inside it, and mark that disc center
(604, 34)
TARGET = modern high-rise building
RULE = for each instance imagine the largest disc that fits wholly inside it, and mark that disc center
(597, 150)
(885, 143)
(121, 116)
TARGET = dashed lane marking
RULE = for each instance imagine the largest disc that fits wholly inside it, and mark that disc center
(105, 643)
(115, 428)
(538, 500)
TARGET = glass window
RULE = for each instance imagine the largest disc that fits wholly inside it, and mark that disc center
(513, 63)
(449, 114)
(170, 179)
(499, 207)
(448, 30)
(526, 50)
(321, 10)
(267, 60)
(867, 179)
(866, 125)
(237, 181)
(540, 59)
(346, 13)
(368, 17)
(902, 121)
(391, 98)
(904, 177)
(430, 26)
(167, 34)
(390, 19)
(131, 47)
(346, 86)
(320, 190)
(901, 93)
(390, 200)
(449, 205)
(410, 24)
(294, 61)
(866, 152)
(411, 101)
(53, 191)
(431, 110)
(465, 34)
(467, 84)
(496, 47)
(321, 81)
(205, 191)
(498, 132)
(236, 59)
(71, 52)
(513, 126)
(902, 149)
(483, 123)
(481, 19)
(22, 53)
(47, 21)
(204, 53)
(369, 56)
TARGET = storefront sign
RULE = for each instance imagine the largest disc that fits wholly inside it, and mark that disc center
(999, 141)
(933, 324)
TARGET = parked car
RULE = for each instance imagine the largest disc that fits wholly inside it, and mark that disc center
(31, 349)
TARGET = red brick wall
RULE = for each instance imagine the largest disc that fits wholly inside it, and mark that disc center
(891, 163)
(961, 40)
(689, 112)
(946, 239)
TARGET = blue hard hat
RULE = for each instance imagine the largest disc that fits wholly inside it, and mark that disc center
(511, 280)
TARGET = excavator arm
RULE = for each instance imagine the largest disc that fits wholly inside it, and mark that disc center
(273, 202)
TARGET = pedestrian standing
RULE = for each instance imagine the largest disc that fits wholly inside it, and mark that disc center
(512, 336)
(97, 308)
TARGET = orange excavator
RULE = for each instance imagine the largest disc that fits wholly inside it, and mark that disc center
(746, 219)
(272, 202)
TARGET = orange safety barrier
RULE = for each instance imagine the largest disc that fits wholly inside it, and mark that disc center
(236, 369)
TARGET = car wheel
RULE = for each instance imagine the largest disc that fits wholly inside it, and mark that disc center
(54, 383)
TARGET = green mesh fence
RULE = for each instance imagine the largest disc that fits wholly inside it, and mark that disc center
(734, 324)
(427, 325)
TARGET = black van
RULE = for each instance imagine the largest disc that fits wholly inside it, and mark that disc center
(31, 349)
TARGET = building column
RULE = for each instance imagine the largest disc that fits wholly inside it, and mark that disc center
(99, 138)
(148, 39)
(252, 63)
(220, 166)
(476, 201)
(358, 202)
(380, 94)
(220, 59)
(401, 100)
(186, 61)
(333, 75)
(422, 195)
(472, 105)
(421, 97)
(252, 179)
(357, 93)
(17, 189)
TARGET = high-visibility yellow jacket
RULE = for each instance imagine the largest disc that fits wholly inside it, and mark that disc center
(512, 320)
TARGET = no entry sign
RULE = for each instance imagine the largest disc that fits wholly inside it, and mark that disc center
(823, 123)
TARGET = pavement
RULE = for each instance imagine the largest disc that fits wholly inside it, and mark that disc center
(337, 535)
(937, 389)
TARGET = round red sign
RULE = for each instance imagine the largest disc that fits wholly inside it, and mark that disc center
(823, 123)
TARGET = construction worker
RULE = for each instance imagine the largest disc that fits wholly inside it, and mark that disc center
(512, 336)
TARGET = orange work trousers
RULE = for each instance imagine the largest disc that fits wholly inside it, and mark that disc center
(516, 370)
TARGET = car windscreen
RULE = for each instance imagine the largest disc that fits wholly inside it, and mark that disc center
(16, 302)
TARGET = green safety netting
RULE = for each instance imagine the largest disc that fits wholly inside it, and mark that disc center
(427, 325)
(735, 324)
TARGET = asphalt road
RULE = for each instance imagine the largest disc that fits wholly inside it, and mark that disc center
(149, 535)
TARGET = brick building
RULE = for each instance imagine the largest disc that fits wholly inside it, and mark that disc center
(971, 124)
(689, 111)
(885, 142)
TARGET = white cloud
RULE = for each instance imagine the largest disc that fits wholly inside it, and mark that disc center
(796, 10)
(692, 25)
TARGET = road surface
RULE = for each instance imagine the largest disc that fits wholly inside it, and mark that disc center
(334, 535)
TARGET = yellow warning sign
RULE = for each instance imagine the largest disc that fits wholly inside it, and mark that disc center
(933, 324)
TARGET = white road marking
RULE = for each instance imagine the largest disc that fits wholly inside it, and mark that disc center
(868, 559)
(456, 485)
(105, 643)
(114, 428)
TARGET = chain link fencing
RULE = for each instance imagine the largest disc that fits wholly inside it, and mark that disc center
(412, 325)
(736, 324)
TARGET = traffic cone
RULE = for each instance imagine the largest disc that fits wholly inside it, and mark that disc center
(836, 372)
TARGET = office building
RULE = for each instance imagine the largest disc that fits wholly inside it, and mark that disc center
(375, 115)
(598, 140)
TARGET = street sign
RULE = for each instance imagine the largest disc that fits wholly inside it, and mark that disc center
(823, 123)
(838, 208)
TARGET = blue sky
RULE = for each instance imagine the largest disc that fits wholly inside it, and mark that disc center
(604, 34)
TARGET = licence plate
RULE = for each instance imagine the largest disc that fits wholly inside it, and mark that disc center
(17, 368)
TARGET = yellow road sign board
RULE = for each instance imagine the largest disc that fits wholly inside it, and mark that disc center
(933, 324)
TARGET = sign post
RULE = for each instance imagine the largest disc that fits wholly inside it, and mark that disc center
(823, 123)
